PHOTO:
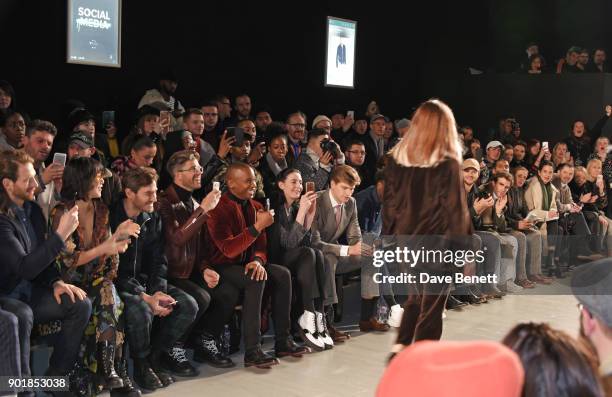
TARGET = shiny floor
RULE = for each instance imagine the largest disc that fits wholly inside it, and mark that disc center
(354, 368)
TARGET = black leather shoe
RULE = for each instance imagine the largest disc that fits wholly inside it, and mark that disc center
(290, 348)
(128, 389)
(145, 376)
(162, 373)
(206, 351)
(258, 358)
(177, 363)
(452, 303)
(478, 293)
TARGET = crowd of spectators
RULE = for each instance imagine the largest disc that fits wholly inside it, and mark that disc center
(205, 221)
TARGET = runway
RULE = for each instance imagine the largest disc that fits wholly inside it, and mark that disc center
(354, 368)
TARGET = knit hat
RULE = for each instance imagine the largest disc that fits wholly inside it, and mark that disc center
(319, 118)
(83, 141)
(78, 116)
(449, 369)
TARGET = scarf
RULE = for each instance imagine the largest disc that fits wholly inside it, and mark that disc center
(274, 166)
(546, 195)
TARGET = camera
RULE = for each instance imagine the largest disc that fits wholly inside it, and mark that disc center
(483, 194)
(330, 146)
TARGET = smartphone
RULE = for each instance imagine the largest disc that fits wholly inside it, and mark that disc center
(237, 133)
(599, 178)
(310, 187)
(216, 185)
(59, 158)
(351, 114)
(108, 117)
(544, 145)
(164, 118)
(267, 204)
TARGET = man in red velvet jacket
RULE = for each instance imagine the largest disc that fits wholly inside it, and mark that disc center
(236, 241)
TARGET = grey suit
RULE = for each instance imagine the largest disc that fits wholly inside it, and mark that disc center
(325, 236)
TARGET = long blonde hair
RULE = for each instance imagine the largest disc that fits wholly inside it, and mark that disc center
(431, 138)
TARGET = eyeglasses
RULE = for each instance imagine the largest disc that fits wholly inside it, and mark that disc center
(195, 169)
(298, 125)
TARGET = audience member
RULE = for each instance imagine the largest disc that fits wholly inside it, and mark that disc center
(591, 284)
(318, 158)
(30, 284)
(12, 130)
(554, 363)
(150, 301)
(237, 251)
(168, 83)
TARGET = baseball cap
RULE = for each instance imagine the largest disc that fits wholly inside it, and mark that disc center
(592, 285)
(470, 163)
(376, 117)
(494, 144)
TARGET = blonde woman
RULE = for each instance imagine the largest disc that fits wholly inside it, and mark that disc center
(601, 153)
(424, 197)
(585, 192)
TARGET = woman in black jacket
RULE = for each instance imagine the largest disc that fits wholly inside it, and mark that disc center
(290, 246)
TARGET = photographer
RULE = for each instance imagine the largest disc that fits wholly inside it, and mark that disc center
(316, 162)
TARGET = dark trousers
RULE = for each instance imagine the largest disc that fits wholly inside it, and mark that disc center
(592, 219)
(226, 294)
(202, 298)
(308, 267)
(423, 312)
(16, 320)
(74, 318)
(146, 332)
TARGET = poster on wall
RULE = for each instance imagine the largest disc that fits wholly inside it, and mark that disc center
(94, 32)
(340, 59)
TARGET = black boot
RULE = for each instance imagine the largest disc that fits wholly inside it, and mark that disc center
(145, 376)
(162, 373)
(207, 351)
(128, 389)
(258, 358)
(288, 347)
(106, 365)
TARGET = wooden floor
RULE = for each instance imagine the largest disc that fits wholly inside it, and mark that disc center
(354, 368)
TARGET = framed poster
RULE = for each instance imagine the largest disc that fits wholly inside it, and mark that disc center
(94, 32)
(340, 50)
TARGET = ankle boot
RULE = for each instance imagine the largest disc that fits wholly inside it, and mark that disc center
(128, 389)
(106, 365)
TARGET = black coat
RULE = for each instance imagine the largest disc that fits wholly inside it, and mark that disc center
(143, 267)
(22, 261)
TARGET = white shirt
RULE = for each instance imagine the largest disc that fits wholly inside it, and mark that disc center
(343, 248)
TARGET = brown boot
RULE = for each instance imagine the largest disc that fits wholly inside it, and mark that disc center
(373, 325)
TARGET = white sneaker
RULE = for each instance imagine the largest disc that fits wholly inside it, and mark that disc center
(395, 316)
(513, 288)
(323, 333)
(308, 331)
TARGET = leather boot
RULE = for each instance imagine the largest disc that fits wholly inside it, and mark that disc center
(106, 365)
(128, 389)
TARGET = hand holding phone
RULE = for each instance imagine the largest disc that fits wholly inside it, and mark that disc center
(310, 187)
(60, 159)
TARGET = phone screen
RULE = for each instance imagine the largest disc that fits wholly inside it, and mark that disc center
(310, 187)
(164, 119)
(59, 158)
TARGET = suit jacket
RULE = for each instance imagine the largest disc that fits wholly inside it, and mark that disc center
(312, 172)
(325, 232)
(182, 233)
(341, 55)
(564, 200)
(285, 233)
(20, 260)
(290, 156)
(230, 237)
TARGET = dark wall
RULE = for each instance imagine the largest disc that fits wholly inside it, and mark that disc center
(276, 55)
(545, 106)
(405, 51)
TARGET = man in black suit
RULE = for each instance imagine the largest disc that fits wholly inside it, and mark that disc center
(30, 283)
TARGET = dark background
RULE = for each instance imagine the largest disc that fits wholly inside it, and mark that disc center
(277, 55)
